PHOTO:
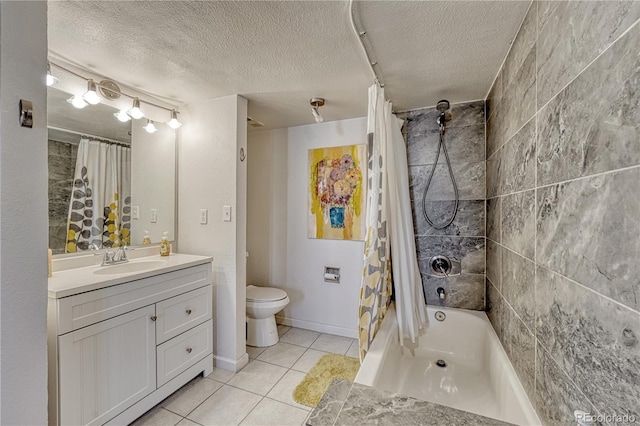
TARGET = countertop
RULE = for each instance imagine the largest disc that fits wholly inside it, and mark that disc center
(347, 403)
(79, 280)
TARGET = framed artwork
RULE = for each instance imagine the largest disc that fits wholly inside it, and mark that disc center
(337, 182)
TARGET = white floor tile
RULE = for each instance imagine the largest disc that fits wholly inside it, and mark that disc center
(353, 350)
(308, 360)
(220, 375)
(190, 396)
(228, 406)
(283, 390)
(331, 343)
(258, 377)
(282, 354)
(253, 352)
(282, 329)
(157, 417)
(300, 337)
(270, 412)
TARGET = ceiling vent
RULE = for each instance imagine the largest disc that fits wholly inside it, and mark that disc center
(254, 123)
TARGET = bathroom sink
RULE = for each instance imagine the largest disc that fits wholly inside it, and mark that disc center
(125, 268)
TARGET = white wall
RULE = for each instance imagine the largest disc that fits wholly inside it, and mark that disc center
(267, 208)
(296, 263)
(23, 215)
(210, 176)
(153, 180)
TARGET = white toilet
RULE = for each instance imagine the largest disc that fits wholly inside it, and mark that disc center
(262, 305)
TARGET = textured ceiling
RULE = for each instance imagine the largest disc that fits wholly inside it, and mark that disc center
(280, 54)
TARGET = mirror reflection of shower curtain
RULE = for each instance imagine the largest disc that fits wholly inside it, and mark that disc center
(100, 206)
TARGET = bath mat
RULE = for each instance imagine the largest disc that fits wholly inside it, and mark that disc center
(315, 383)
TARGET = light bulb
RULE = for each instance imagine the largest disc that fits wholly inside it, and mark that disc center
(316, 115)
(91, 96)
(150, 127)
(135, 110)
(122, 116)
(77, 102)
(174, 123)
(51, 80)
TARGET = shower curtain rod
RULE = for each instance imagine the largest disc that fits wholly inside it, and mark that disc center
(359, 36)
(87, 135)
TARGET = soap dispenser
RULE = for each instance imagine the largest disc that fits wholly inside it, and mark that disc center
(146, 240)
(165, 248)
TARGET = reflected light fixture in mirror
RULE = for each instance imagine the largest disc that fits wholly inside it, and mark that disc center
(77, 102)
(150, 127)
(122, 116)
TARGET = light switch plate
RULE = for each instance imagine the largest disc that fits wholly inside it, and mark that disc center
(226, 213)
(204, 213)
(154, 215)
(135, 212)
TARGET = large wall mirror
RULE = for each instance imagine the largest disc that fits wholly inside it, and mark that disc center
(109, 181)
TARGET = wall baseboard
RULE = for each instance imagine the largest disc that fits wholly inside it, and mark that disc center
(231, 364)
(316, 326)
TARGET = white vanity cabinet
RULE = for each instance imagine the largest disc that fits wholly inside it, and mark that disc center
(116, 351)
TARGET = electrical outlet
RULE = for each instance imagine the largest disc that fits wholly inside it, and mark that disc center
(204, 213)
(135, 212)
(226, 213)
(154, 215)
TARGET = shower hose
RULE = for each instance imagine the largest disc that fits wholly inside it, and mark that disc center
(442, 145)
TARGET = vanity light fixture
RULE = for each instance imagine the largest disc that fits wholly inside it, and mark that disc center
(77, 101)
(315, 104)
(174, 123)
(91, 95)
(150, 127)
(122, 116)
(135, 111)
(51, 80)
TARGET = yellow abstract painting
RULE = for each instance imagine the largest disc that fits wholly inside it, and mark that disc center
(337, 176)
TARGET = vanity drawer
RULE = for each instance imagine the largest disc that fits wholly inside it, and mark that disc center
(180, 313)
(178, 354)
(94, 306)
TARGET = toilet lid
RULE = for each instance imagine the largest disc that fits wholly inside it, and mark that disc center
(264, 294)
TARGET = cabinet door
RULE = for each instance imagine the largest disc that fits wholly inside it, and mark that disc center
(107, 367)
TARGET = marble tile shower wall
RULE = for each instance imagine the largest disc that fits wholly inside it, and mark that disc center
(62, 164)
(464, 239)
(563, 209)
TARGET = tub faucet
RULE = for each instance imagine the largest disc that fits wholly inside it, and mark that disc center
(440, 292)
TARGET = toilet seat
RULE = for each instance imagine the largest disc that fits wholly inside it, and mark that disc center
(257, 294)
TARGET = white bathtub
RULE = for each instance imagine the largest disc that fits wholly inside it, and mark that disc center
(478, 376)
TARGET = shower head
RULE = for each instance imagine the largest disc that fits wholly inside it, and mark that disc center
(442, 105)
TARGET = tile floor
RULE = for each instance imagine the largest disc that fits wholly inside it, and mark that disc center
(260, 393)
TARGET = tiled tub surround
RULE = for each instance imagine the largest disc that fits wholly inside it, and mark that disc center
(464, 239)
(347, 403)
(563, 227)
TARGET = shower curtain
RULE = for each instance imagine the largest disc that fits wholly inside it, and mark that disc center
(100, 205)
(389, 232)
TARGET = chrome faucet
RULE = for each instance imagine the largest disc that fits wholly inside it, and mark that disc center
(114, 257)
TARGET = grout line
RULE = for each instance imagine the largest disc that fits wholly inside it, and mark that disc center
(622, 169)
(586, 66)
(595, 292)
(516, 192)
(514, 134)
(535, 227)
(567, 376)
